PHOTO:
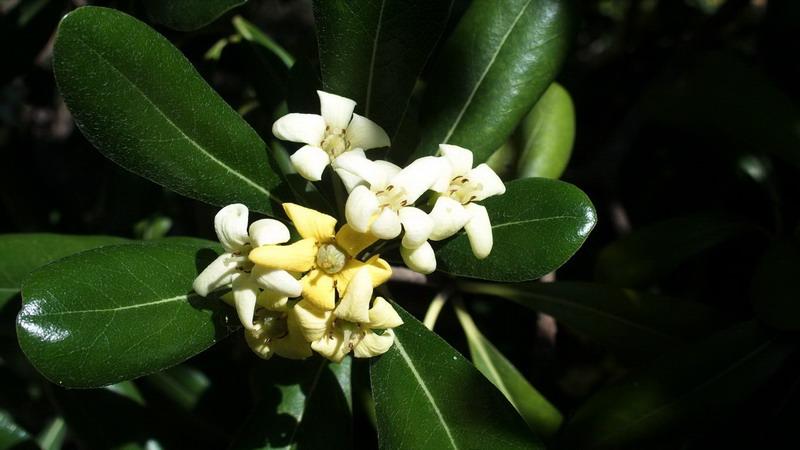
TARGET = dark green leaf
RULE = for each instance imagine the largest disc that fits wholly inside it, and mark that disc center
(188, 15)
(650, 253)
(540, 415)
(304, 407)
(143, 105)
(14, 436)
(301, 91)
(372, 51)
(499, 60)
(119, 312)
(128, 390)
(548, 133)
(428, 396)
(183, 384)
(636, 325)
(537, 225)
(679, 393)
(774, 291)
(52, 437)
(254, 34)
(22, 253)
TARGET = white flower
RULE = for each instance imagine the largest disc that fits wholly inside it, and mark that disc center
(383, 203)
(455, 209)
(234, 268)
(329, 135)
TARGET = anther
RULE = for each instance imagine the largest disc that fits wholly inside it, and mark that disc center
(390, 187)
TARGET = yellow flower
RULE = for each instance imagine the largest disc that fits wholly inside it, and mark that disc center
(328, 257)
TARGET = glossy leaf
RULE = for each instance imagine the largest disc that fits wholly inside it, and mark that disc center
(144, 106)
(679, 393)
(774, 290)
(540, 415)
(372, 51)
(537, 225)
(635, 325)
(652, 252)
(499, 60)
(188, 15)
(119, 312)
(548, 133)
(14, 436)
(21, 253)
(304, 407)
(428, 396)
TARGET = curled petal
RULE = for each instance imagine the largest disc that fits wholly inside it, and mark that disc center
(276, 280)
(244, 298)
(361, 205)
(306, 128)
(268, 231)
(318, 289)
(219, 273)
(492, 184)
(298, 256)
(386, 225)
(419, 176)
(383, 316)
(310, 161)
(448, 217)
(313, 323)
(460, 159)
(421, 259)
(311, 223)
(379, 272)
(336, 110)
(373, 345)
(352, 241)
(230, 223)
(361, 167)
(333, 348)
(354, 306)
(479, 230)
(417, 225)
(366, 134)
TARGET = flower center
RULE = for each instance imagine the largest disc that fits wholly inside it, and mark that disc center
(392, 197)
(243, 263)
(335, 144)
(350, 332)
(331, 258)
(462, 190)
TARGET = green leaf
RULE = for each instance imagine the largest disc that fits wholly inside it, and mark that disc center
(499, 60)
(649, 253)
(372, 51)
(183, 384)
(254, 34)
(128, 390)
(14, 436)
(774, 290)
(119, 312)
(144, 106)
(304, 407)
(22, 253)
(679, 393)
(548, 133)
(301, 95)
(52, 436)
(540, 415)
(188, 15)
(428, 396)
(537, 225)
(635, 325)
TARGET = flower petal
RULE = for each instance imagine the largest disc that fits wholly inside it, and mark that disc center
(387, 225)
(492, 184)
(272, 301)
(216, 275)
(293, 345)
(379, 272)
(313, 322)
(298, 256)
(334, 348)
(310, 161)
(276, 280)
(244, 297)
(306, 128)
(257, 341)
(366, 134)
(268, 231)
(421, 259)
(448, 217)
(352, 241)
(361, 205)
(373, 345)
(336, 110)
(479, 230)
(383, 316)
(311, 223)
(354, 305)
(362, 167)
(417, 225)
(230, 223)
(318, 289)
(460, 159)
(419, 176)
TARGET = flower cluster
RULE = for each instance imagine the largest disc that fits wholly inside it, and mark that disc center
(317, 293)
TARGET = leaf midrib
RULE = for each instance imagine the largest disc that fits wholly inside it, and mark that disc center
(113, 310)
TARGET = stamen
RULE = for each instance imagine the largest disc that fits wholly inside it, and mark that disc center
(390, 187)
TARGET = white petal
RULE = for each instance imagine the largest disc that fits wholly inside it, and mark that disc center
(420, 259)
(448, 217)
(268, 231)
(387, 225)
(354, 306)
(216, 275)
(361, 167)
(244, 297)
(373, 344)
(366, 134)
(442, 182)
(276, 280)
(360, 206)
(492, 184)
(389, 169)
(349, 180)
(419, 176)
(479, 230)
(310, 162)
(460, 158)
(336, 110)
(306, 128)
(417, 225)
(230, 223)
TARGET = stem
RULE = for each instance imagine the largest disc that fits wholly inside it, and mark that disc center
(436, 307)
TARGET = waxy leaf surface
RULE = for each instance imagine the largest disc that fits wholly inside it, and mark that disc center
(428, 396)
(119, 312)
(537, 225)
(144, 106)
(188, 15)
(548, 133)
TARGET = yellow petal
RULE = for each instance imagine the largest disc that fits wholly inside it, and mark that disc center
(379, 271)
(298, 256)
(352, 241)
(293, 345)
(311, 224)
(382, 315)
(272, 301)
(332, 348)
(312, 322)
(318, 289)
(354, 306)
(257, 340)
(373, 345)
